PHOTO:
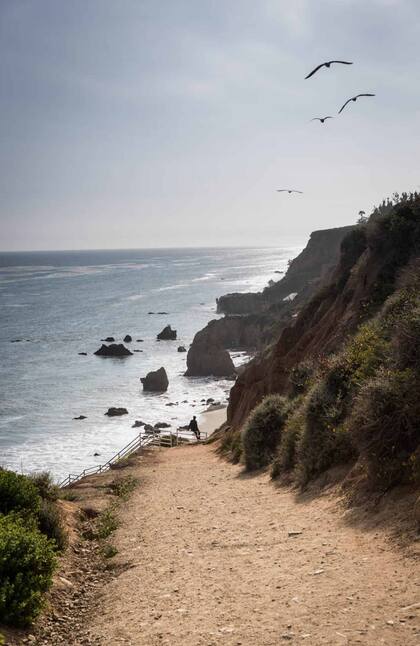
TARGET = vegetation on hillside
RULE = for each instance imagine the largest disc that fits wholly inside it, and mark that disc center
(362, 403)
(31, 534)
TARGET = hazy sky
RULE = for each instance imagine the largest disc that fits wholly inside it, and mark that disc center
(144, 123)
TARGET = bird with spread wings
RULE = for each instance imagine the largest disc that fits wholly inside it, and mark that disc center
(327, 64)
(353, 98)
(288, 190)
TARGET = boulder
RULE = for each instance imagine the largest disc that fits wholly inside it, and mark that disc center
(138, 424)
(109, 339)
(80, 417)
(149, 429)
(167, 334)
(182, 348)
(113, 350)
(156, 381)
(205, 359)
(127, 338)
(139, 340)
(114, 412)
(163, 313)
(83, 354)
(159, 425)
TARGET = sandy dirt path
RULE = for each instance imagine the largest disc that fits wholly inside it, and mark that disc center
(209, 560)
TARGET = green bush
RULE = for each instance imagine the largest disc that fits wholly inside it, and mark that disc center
(27, 563)
(18, 494)
(286, 456)
(51, 524)
(364, 353)
(231, 445)
(386, 428)
(406, 341)
(45, 485)
(300, 377)
(325, 441)
(262, 432)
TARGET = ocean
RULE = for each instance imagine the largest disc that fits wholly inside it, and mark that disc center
(54, 305)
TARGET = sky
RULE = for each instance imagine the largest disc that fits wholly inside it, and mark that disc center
(171, 123)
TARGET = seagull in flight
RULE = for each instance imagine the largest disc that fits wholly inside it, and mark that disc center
(353, 98)
(288, 190)
(328, 65)
(321, 119)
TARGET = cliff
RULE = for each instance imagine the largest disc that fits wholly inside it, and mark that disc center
(362, 278)
(253, 320)
(305, 272)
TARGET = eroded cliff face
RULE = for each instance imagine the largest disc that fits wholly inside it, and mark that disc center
(259, 318)
(323, 323)
(306, 272)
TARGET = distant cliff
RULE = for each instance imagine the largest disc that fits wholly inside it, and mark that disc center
(253, 320)
(305, 272)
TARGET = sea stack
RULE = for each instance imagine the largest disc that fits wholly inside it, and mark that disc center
(113, 350)
(167, 334)
(156, 381)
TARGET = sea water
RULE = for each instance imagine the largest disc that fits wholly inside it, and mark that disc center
(54, 305)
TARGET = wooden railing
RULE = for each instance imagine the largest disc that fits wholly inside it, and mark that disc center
(142, 441)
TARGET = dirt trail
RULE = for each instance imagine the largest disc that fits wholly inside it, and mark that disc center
(211, 562)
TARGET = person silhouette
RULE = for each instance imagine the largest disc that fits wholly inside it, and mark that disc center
(193, 426)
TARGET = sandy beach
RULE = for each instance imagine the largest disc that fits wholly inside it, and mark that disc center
(211, 420)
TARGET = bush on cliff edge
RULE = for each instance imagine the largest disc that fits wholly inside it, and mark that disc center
(27, 562)
(262, 432)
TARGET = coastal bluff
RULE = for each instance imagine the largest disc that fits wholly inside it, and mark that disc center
(253, 320)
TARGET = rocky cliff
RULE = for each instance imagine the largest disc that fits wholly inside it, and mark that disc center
(359, 283)
(254, 320)
(312, 266)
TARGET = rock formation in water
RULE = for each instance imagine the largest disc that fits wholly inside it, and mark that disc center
(115, 411)
(155, 381)
(113, 350)
(167, 334)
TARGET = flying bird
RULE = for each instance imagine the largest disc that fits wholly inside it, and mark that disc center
(353, 98)
(288, 190)
(328, 65)
(321, 119)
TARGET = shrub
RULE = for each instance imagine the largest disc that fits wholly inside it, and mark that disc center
(27, 563)
(365, 352)
(107, 523)
(406, 341)
(262, 432)
(45, 485)
(286, 455)
(18, 494)
(325, 441)
(231, 445)
(50, 523)
(300, 377)
(123, 487)
(385, 425)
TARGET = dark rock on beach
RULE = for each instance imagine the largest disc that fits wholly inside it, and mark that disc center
(167, 334)
(113, 350)
(182, 348)
(127, 338)
(156, 381)
(139, 340)
(109, 339)
(138, 424)
(80, 417)
(114, 412)
(83, 354)
(162, 425)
